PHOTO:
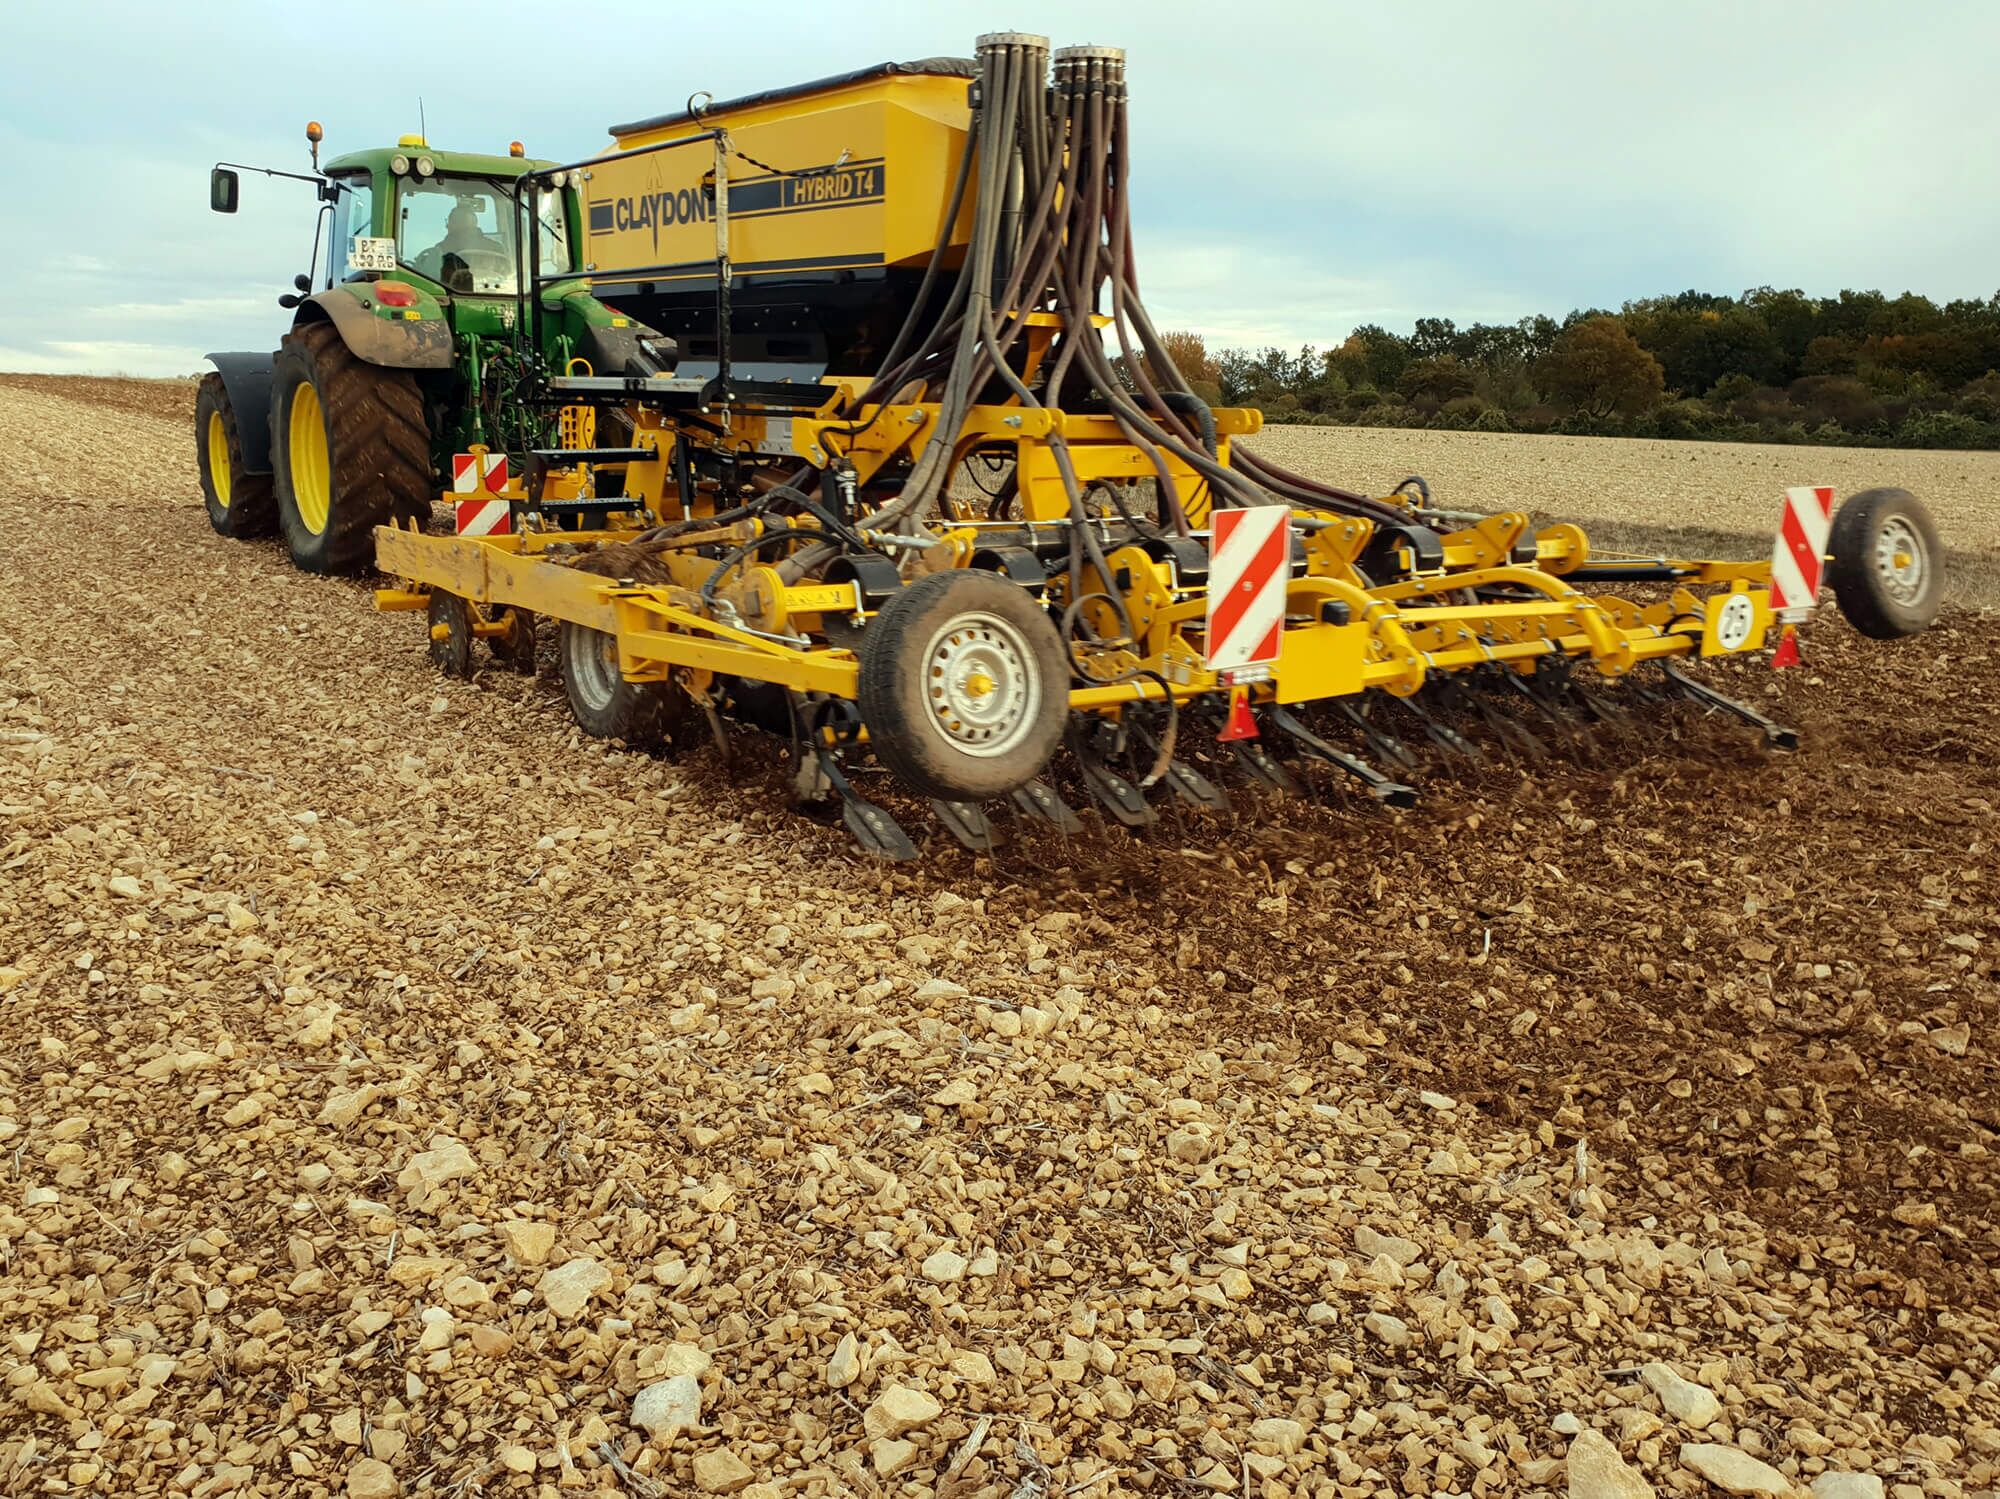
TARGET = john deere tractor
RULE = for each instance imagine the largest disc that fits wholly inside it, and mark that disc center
(412, 339)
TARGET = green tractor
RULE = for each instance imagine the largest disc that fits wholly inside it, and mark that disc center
(412, 339)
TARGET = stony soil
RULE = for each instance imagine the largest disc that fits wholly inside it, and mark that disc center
(400, 1093)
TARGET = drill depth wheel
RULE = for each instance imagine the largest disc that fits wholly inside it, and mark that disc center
(451, 633)
(963, 686)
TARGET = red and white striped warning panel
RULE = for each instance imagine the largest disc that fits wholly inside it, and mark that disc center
(1249, 562)
(1800, 554)
(472, 472)
(484, 518)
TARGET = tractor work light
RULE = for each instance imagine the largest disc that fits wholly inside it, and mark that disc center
(425, 166)
(399, 164)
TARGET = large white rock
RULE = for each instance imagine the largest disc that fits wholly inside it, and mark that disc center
(1734, 1471)
(1683, 1400)
(671, 1406)
(845, 1365)
(1831, 1485)
(1596, 1471)
(568, 1288)
(1372, 1242)
(897, 1410)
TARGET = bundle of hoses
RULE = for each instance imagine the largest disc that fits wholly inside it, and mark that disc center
(1051, 232)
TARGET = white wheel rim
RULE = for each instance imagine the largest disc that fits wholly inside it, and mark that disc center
(594, 666)
(1900, 560)
(981, 684)
(1734, 624)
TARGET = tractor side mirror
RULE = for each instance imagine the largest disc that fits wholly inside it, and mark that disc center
(302, 281)
(222, 190)
(290, 300)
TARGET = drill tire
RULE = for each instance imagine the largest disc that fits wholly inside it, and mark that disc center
(603, 703)
(238, 504)
(940, 739)
(378, 450)
(1880, 598)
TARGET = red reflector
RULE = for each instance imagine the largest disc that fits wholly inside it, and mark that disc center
(395, 294)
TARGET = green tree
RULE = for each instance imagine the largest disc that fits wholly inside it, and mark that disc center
(1596, 368)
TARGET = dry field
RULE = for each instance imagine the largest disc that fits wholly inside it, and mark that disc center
(1696, 498)
(400, 1093)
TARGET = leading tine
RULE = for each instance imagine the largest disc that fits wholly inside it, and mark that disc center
(1039, 799)
(968, 823)
(1194, 788)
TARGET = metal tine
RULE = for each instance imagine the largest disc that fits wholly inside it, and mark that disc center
(1196, 789)
(1569, 727)
(1441, 734)
(1776, 734)
(1381, 787)
(879, 834)
(1266, 767)
(1114, 792)
(968, 823)
(1451, 695)
(1039, 799)
(1485, 694)
(1385, 744)
(1189, 784)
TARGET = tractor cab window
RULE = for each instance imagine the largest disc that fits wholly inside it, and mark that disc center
(459, 233)
(353, 218)
(553, 235)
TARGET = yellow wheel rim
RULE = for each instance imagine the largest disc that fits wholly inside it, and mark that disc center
(312, 473)
(218, 459)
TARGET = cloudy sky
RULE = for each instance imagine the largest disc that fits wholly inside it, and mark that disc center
(1301, 167)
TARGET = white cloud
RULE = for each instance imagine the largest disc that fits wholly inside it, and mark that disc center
(102, 357)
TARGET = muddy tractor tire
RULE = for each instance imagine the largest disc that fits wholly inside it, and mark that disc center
(350, 450)
(239, 504)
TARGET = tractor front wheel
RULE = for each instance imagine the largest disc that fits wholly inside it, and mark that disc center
(350, 450)
(239, 504)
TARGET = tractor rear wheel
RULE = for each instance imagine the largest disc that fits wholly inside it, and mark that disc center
(239, 504)
(350, 450)
(1887, 572)
(963, 686)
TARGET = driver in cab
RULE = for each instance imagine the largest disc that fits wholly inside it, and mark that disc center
(451, 259)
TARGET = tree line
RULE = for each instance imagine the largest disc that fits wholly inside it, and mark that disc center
(1861, 369)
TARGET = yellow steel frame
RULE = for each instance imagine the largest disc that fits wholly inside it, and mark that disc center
(1391, 638)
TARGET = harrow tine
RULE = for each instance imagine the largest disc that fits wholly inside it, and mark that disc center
(1443, 735)
(1117, 795)
(1187, 783)
(968, 823)
(1507, 726)
(1394, 793)
(879, 834)
(1775, 734)
(1568, 727)
(1194, 788)
(1039, 799)
(1385, 744)
(1266, 767)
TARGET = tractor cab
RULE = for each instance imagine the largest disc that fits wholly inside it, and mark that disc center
(441, 284)
(456, 222)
